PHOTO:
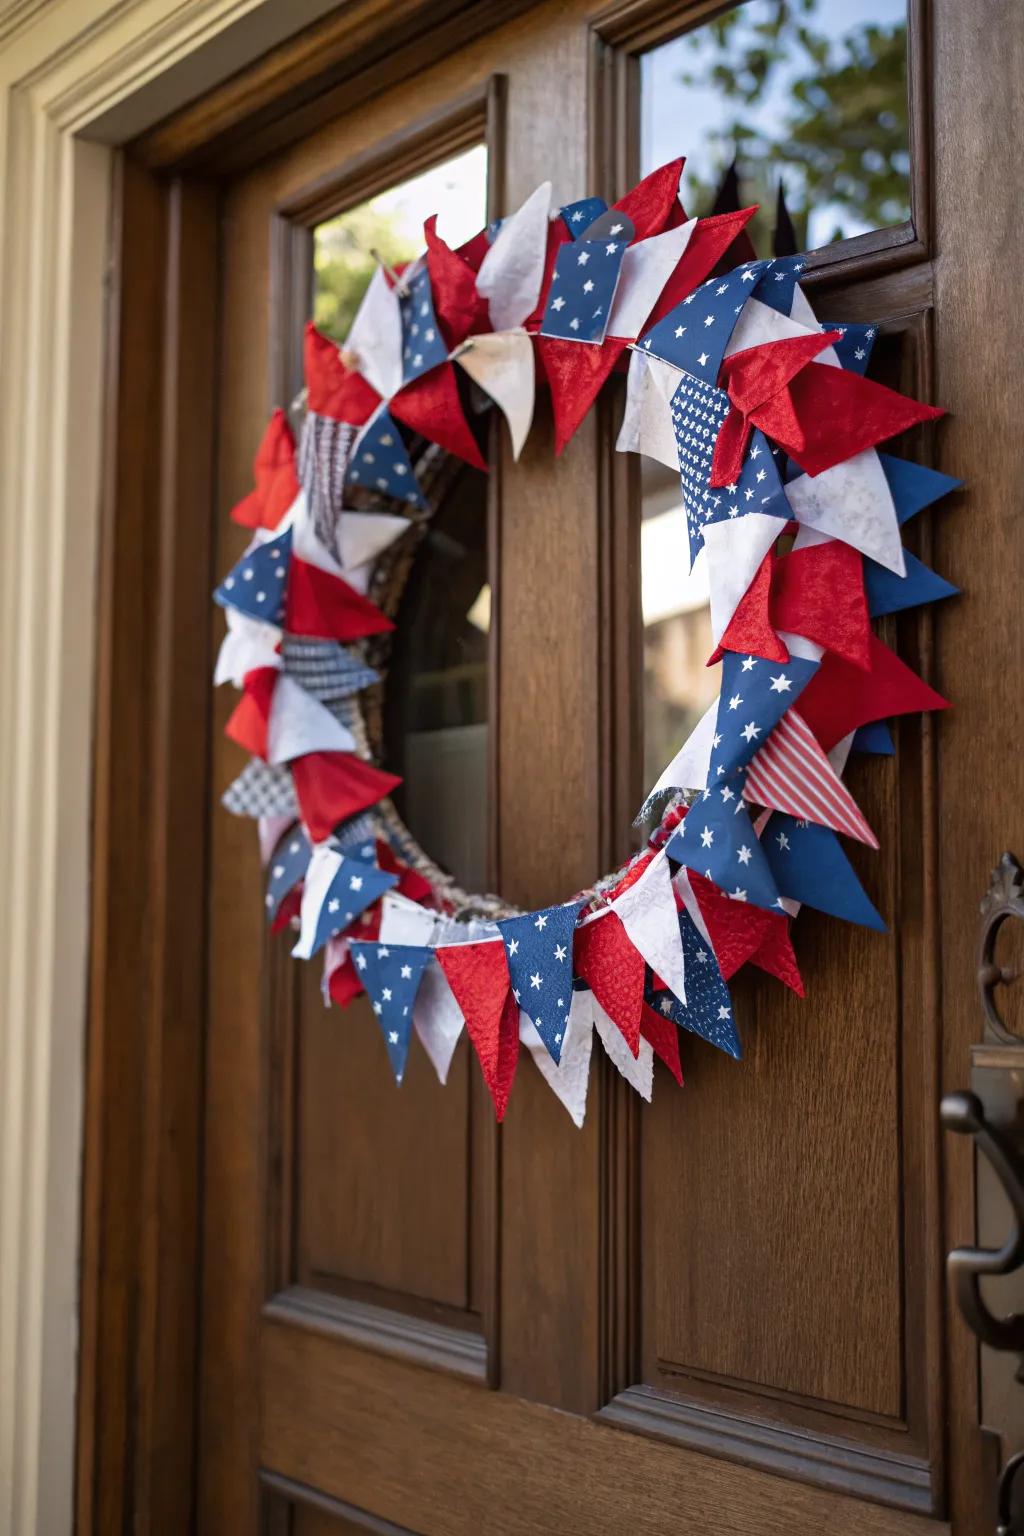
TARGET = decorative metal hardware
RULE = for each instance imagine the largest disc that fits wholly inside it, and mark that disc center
(996, 1127)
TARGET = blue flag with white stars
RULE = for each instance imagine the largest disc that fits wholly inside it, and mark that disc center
(584, 281)
(913, 486)
(380, 462)
(287, 867)
(694, 335)
(888, 592)
(256, 584)
(355, 886)
(579, 216)
(391, 974)
(853, 348)
(716, 839)
(538, 947)
(755, 696)
(698, 411)
(809, 866)
(707, 1011)
(423, 346)
(777, 281)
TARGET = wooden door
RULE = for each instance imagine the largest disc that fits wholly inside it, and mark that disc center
(725, 1312)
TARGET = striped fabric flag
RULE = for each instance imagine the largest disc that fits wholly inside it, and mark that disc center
(791, 773)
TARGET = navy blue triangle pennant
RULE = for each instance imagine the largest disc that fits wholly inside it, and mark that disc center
(755, 695)
(717, 839)
(391, 975)
(875, 737)
(579, 216)
(888, 592)
(777, 282)
(287, 867)
(583, 284)
(355, 886)
(708, 1010)
(423, 346)
(809, 866)
(538, 947)
(380, 461)
(694, 335)
(256, 585)
(854, 346)
(913, 486)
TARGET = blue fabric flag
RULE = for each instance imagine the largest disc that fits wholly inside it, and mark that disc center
(755, 695)
(380, 461)
(854, 346)
(256, 585)
(584, 281)
(325, 669)
(391, 974)
(287, 867)
(355, 886)
(875, 737)
(707, 1011)
(776, 284)
(888, 592)
(914, 487)
(423, 346)
(579, 216)
(538, 947)
(716, 839)
(694, 335)
(809, 866)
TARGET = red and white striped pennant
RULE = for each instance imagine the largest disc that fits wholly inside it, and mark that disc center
(791, 773)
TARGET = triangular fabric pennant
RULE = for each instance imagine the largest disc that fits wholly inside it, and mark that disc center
(647, 911)
(262, 792)
(778, 281)
(755, 696)
(391, 976)
(337, 889)
(650, 203)
(512, 271)
(819, 591)
(248, 645)
(875, 737)
(299, 724)
(663, 1038)
(613, 969)
(735, 553)
(841, 697)
(575, 374)
(637, 1067)
(578, 216)
(914, 486)
(756, 381)
(717, 840)
(689, 768)
(458, 304)
(539, 950)
(320, 606)
(647, 418)
(708, 1010)
(646, 268)
(809, 866)
(740, 933)
(331, 786)
(333, 390)
(431, 406)
(256, 585)
(790, 772)
(501, 363)
(374, 340)
(695, 336)
(381, 462)
(249, 721)
(889, 593)
(288, 865)
(708, 244)
(327, 670)
(750, 630)
(438, 1020)
(277, 484)
(424, 346)
(478, 976)
(852, 502)
(569, 1077)
(364, 536)
(853, 348)
(585, 280)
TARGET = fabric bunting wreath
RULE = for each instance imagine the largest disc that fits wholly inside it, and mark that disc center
(774, 428)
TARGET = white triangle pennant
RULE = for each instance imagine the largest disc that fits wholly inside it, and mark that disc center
(248, 644)
(759, 324)
(689, 768)
(637, 1070)
(852, 501)
(323, 867)
(512, 270)
(299, 723)
(735, 550)
(647, 911)
(647, 420)
(501, 362)
(437, 1018)
(646, 268)
(363, 536)
(375, 336)
(568, 1078)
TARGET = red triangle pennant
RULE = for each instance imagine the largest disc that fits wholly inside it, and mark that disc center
(740, 932)
(331, 388)
(344, 985)
(749, 631)
(558, 236)
(410, 882)
(478, 976)
(460, 310)
(431, 406)
(321, 606)
(649, 204)
(819, 592)
(575, 373)
(709, 242)
(775, 953)
(614, 972)
(663, 1037)
(331, 786)
(751, 378)
(248, 722)
(277, 484)
(840, 696)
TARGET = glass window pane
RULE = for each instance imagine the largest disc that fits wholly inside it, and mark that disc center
(808, 98)
(436, 690)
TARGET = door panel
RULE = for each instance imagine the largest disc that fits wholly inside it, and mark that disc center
(735, 1292)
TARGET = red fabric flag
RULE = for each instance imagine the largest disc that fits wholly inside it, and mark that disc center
(410, 882)
(575, 373)
(709, 242)
(277, 484)
(614, 972)
(344, 985)
(752, 378)
(331, 388)
(775, 954)
(460, 310)
(649, 204)
(819, 592)
(432, 407)
(324, 607)
(291, 907)
(740, 932)
(663, 1037)
(840, 697)
(749, 631)
(478, 976)
(249, 719)
(558, 236)
(331, 786)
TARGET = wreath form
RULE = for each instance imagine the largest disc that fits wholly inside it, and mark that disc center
(773, 426)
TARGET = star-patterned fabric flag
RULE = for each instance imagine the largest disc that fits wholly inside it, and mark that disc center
(755, 695)
(538, 947)
(579, 215)
(708, 1008)
(718, 841)
(380, 461)
(337, 889)
(287, 867)
(809, 866)
(853, 348)
(585, 278)
(391, 975)
(423, 346)
(256, 585)
(777, 280)
(695, 335)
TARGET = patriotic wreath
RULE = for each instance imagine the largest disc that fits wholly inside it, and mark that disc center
(773, 426)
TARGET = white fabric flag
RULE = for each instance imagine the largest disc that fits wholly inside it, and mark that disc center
(375, 336)
(249, 643)
(323, 867)
(363, 536)
(569, 1078)
(689, 768)
(852, 501)
(647, 911)
(646, 268)
(647, 420)
(637, 1070)
(759, 325)
(299, 723)
(801, 310)
(305, 544)
(437, 1018)
(405, 922)
(512, 271)
(735, 550)
(501, 362)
